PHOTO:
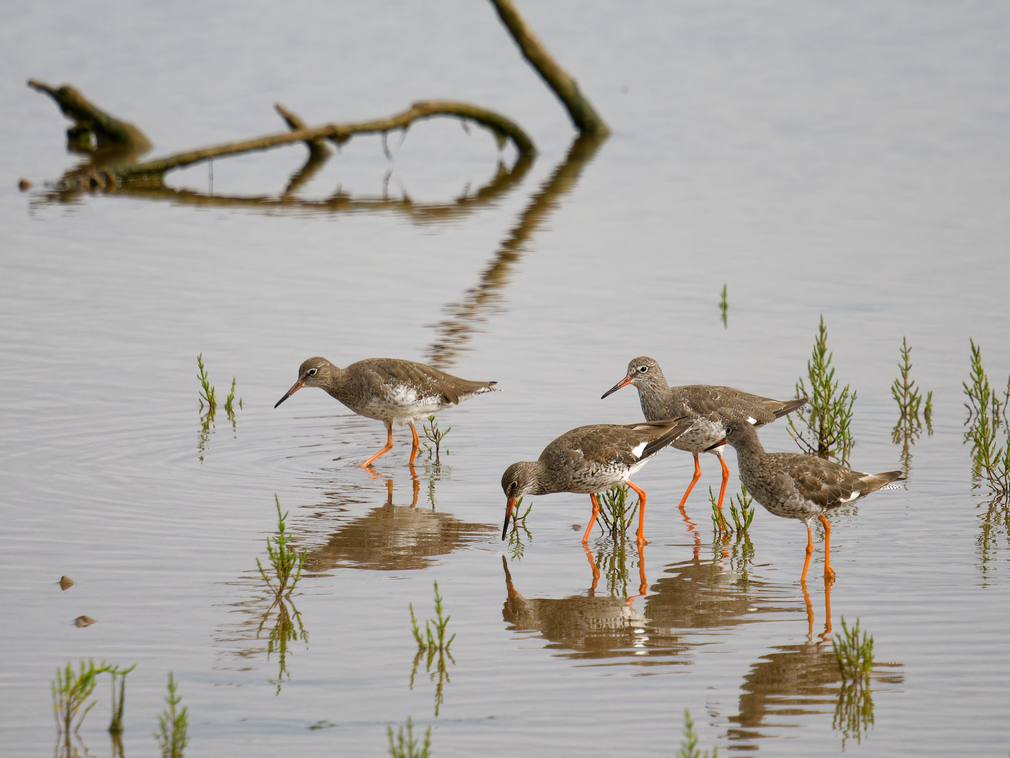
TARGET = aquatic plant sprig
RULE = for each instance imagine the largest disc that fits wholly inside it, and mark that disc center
(173, 723)
(828, 413)
(405, 745)
(616, 512)
(987, 416)
(116, 725)
(516, 546)
(689, 744)
(909, 399)
(287, 563)
(724, 307)
(71, 690)
(436, 435)
(208, 394)
(854, 654)
(433, 643)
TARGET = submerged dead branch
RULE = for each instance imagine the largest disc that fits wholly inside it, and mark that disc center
(110, 171)
(90, 120)
(503, 128)
(453, 333)
(581, 111)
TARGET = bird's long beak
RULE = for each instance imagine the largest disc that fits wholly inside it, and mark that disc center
(294, 388)
(720, 443)
(623, 383)
(508, 514)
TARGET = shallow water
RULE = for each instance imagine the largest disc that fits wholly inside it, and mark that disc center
(847, 161)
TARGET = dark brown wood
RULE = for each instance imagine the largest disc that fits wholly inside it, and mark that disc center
(581, 111)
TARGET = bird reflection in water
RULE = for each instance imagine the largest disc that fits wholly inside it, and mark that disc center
(802, 680)
(392, 537)
(590, 626)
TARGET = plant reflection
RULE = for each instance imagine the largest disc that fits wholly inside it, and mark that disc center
(455, 331)
(803, 679)
(435, 646)
(286, 625)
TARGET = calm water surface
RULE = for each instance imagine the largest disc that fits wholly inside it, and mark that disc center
(845, 161)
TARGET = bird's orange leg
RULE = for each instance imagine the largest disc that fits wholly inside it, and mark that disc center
(592, 521)
(697, 476)
(415, 444)
(386, 449)
(829, 573)
(725, 477)
(641, 513)
(810, 551)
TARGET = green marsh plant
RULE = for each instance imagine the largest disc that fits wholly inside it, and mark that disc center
(689, 744)
(827, 416)
(435, 435)
(116, 725)
(910, 402)
(741, 510)
(287, 564)
(71, 690)
(405, 745)
(616, 512)
(435, 646)
(987, 417)
(853, 653)
(724, 307)
(516, 546)
(173, 723)
(208, 400)
(208, 396)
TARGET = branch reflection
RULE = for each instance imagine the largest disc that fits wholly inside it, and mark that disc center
(503, 182)
(454, 332)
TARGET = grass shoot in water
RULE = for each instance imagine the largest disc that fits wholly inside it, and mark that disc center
(405, 745)
(173, 724)
(433, 433)
(854, 654)
(689, 745)
(828, 414)
(435, 645)
(616, 512)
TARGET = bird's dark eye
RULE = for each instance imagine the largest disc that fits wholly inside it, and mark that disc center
(312, 371)
(643, 369)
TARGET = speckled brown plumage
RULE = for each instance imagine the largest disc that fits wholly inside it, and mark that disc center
(390, 390)
(712, 406)
(589, 460)
(793, 485)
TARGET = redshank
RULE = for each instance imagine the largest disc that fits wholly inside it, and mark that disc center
(712, 406)
(389, 390)
(794, 485)
(589, 460)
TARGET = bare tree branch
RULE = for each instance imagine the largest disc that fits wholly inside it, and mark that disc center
(502, 127)
(581, 111)
(108, 130)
